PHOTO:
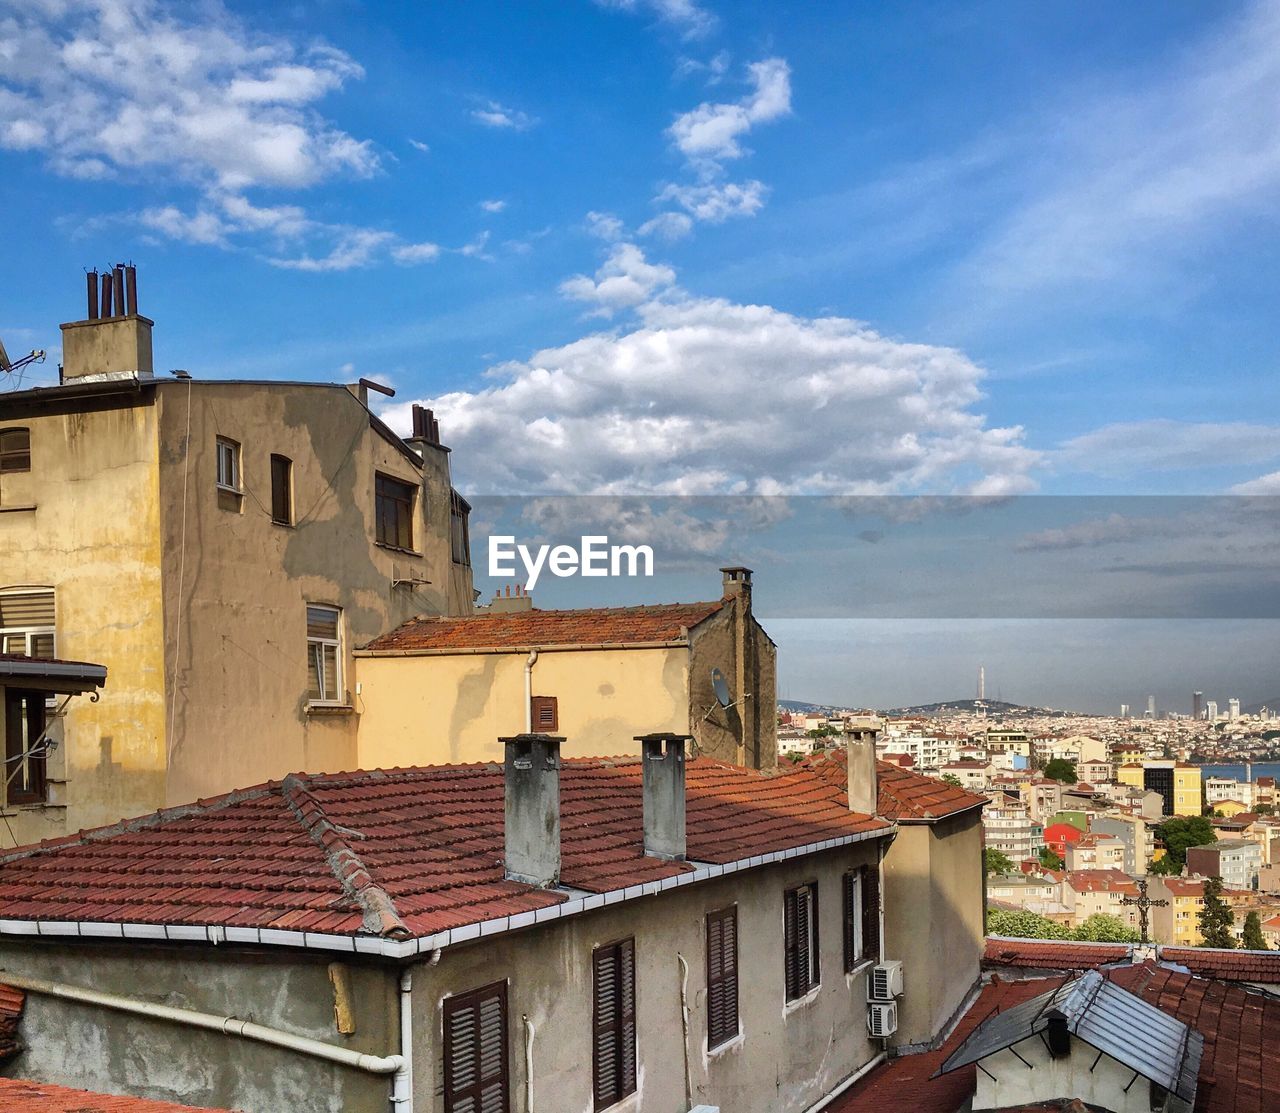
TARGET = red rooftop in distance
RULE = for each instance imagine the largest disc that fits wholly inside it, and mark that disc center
(904, 796)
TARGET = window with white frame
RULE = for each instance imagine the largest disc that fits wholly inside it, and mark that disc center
(324, 654)
(228, 464)
(27, 621)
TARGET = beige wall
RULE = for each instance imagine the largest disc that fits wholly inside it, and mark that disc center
(786, 1058)
(436, 708)
(93, 535)
(933, 899)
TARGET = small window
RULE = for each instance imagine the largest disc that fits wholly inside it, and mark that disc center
(613, 1045)
(861, 916)
(228, 464)
(476, 1075)
(800, 940)
(546, 713)
(27, 622)
(459, 529)
(393, 511)
(281, 490)
(722, 976)
(15, 450)
(25, 747)
(324, 654)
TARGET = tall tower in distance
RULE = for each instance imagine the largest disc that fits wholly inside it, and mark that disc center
(1197, 705)
(1151, 707)
(982, 683)
(1124, 711)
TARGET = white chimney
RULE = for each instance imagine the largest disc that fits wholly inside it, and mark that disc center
(532, 809)
(860, 754)
(663, 761)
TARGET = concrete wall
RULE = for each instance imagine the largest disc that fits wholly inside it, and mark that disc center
(85, 1046)
(933, 900)
(745, 733)
(92, 533)
(785, 1059)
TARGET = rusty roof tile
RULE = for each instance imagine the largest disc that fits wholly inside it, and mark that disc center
(903, 796)
(18, 1095)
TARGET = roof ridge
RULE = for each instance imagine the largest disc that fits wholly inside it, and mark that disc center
(375, 903)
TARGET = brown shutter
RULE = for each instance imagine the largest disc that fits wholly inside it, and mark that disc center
(813, 972)
(722, 976)
(281, 490)
(545, 713)
(613, 1040)
(871, 913)
(790, 967)
(476, 1075)
(851, 914)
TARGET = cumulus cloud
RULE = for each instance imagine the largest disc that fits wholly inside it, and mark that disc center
(604, 226)
(494, 115)
(716, 203)
(712, 131)
(667, 226)
(493, 206)
(418, 145)
(410, 253)
(686, 16)
(355, 248)
(707, 396)
(1264, 485)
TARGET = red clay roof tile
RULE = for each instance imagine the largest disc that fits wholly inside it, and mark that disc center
(1042, 954)
(1227, 966)
(903, 796)
(21, 1096)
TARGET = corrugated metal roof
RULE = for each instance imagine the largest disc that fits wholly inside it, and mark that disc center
(1106, 1017)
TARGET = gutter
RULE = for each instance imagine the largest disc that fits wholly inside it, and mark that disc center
(570, 647)
(396, 949)
(855, 1077)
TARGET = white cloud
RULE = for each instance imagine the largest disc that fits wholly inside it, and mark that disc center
(410, 253)
(718, 202)
(358, 247)
(604, 226)
(476, 249)
(1134, 447)
(493, 206)
(144, 87)
(713, 131)
(667, 226)
(495, 115)
(704, 395)
(201, 227)
(625, 279)
(418, 145)
(685, 15)
(1263, 485)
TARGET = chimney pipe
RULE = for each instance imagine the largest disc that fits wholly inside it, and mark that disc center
(92, 284)
(532, 808)
(662, 759)
(119, 292)
(107, 286)
(860, 757)
(131, 290)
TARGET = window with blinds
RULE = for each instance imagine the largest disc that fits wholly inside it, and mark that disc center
(393, 511)
(613, 1044)
(15, 450)
(281, 490)
(722, 976)
(324, 654)
(545, 713)
(476, 1074)
(27, 622)
(870, 912)
(800, 939)
(25, 747)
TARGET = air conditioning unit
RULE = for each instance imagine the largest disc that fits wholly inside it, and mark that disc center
(885, 982)
(882, 1019)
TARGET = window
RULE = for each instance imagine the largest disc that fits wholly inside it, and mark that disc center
(545, 713)
(800, 939)
(228, 464)
(475, 1051)
(459, 529)
(861, 916)
(722, 976)
(393, 511)
(613, 1044)
(15, 450)
(324, 654)
(24, 750)
(281, 490)
(26, 622)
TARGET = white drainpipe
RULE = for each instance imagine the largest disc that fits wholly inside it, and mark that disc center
(402, 1083)
(528, 691)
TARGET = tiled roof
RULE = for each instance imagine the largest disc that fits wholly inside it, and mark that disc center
(1183, 886)
(400, 853)
(520, 629)
(1045, 954)
(20, 1096)
(11, 1005)
(1101, 881)
(903, 796)
(1227, 966)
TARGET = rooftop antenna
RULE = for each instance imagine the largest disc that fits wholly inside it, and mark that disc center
(7, 365)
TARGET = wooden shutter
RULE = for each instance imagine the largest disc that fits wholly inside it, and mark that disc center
(871, 913)
(852, 911)
(281, 490)
(476, 1076)
(800, 939)
(722, 976)
(546, 713)
(613, 1044)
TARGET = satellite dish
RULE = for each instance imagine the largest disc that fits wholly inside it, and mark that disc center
(721, 687)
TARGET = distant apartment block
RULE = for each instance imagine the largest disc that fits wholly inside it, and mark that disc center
(1236, 861)
(1135, 836)
(1010, 829)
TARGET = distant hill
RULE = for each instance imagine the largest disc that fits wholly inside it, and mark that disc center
(973, 706)
(805, 708)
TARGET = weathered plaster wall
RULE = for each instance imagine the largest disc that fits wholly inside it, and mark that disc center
(94, 537)
(437, 708)
(73, 1044)
(785, 1058)
(933, 889)
(745, 733)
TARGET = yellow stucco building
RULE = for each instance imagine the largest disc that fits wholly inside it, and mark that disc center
(1177, 782)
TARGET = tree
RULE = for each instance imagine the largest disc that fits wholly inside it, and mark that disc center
(951, 779)
(1050, 859)
(1164, 867)
(1265, 809)
(997, 861)
(1060, 769)
(1216, 920)
(1253, 940)
(1024, 925)
(1180, 832)
(1101, 928)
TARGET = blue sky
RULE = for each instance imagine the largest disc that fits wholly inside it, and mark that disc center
(685, 247)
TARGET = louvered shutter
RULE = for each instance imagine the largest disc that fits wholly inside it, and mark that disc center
(27, 608)
(789, 945)
(871, 913)
(613, 1049)
(475, 1053)
(545, 713)
(722, 976)
(852, 911)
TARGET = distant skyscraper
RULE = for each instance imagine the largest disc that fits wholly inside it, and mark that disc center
(1233, 709)
(982, 683)
(1124, 711)
(1212, 713)
(1197, 704)
(1151, 707)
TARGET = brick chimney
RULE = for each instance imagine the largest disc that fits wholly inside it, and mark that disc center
(860, 754)
(662, 758)
(114, 340)
(737, 590)
(532, 812)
